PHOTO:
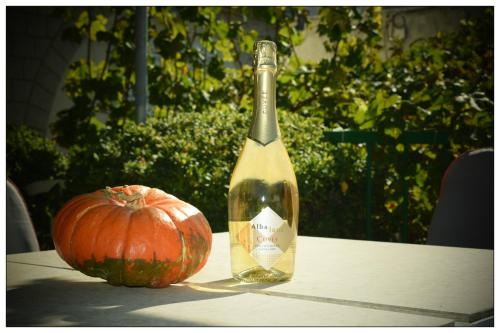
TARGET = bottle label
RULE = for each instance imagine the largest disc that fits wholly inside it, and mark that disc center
(266, 237)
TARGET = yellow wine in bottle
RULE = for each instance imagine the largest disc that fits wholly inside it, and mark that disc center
(263, 200)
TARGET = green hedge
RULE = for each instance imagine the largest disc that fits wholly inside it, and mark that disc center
(191, 155)
(31, 157)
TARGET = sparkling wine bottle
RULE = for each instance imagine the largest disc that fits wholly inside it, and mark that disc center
(263, 200)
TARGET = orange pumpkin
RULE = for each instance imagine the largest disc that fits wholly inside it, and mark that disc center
(132, 235)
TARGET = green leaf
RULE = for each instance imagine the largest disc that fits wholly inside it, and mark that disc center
(83, 19)
(474, 105)
(429, 153)
(359, 110)
(393, 101)
(421, 176)
(98, 25)
(393, 132)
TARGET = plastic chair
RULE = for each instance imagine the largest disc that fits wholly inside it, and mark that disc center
(464, 214)
(21, 236)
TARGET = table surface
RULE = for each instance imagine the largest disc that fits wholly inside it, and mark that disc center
(337, 282)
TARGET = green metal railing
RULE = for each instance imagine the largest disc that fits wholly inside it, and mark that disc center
(370, 139)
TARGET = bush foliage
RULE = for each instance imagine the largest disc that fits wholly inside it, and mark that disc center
(191, 154)
(200, 84)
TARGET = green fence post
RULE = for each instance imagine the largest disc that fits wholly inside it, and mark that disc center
(369, 185)
(406, 199)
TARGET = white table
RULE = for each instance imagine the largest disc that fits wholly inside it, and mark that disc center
(337, 282)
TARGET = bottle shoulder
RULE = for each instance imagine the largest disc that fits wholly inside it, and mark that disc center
(269, 163)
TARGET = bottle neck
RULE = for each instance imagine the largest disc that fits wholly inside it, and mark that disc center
(264, 128)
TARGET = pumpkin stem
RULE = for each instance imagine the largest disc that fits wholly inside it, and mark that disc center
(134, 201)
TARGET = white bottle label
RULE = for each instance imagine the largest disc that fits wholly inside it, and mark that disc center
(266, 237)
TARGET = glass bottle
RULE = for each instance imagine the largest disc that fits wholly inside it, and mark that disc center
(263, 200)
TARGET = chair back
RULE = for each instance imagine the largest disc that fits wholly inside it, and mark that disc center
(21, 236)
(464, 213)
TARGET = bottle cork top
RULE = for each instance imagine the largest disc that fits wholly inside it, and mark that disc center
(264, 54)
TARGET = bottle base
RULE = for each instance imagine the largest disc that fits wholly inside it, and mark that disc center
(259, 274)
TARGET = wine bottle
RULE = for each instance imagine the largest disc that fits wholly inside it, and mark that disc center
(263, 199)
